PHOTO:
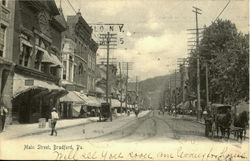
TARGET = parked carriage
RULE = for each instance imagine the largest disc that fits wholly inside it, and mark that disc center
(105, 112)
(218, 119)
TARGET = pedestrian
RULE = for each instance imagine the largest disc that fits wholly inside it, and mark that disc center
(3, 113)
(54, 118)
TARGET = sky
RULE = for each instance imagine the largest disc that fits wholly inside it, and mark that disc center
(155, 32)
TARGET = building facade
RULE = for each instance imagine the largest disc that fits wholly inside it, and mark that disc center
(6, 53)
(79, 55)
(38, 28)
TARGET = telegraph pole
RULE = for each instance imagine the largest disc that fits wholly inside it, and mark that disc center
(136, 89)
(120, 83)
(107, 72)
(207, 92)
(197, 11)
(175, 99)
(126, 102)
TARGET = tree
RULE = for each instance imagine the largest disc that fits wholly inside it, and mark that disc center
(226, 52)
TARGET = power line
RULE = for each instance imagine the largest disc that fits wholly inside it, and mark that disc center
(71, 5)
(223, 10)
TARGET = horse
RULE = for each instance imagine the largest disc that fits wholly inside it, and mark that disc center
(223, 122)
(241, 121)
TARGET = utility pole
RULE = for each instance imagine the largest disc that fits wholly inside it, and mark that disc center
(136, 90)
(126, 101)
(120, 84)
(207, 90)
(197, 11)
(175, 99)
(107, 72)
(170, 95)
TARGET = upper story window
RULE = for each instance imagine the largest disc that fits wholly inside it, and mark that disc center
(38, 59)
(80, 69)
(2, 40)
(64, 69)
(25, 55)
(3, 2)
(26, 49)
(41, 42)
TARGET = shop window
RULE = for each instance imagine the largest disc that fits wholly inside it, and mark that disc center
(38, 59)
(2, 40)
(24, 55)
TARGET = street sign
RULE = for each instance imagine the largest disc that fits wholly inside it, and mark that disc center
(116, 34)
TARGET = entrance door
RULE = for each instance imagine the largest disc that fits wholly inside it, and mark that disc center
(24, 114)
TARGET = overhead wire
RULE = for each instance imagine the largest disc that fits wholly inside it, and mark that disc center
(223, 10)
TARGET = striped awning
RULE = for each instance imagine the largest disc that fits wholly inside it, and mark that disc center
(22, 84)
(72, 97)
(115, 103)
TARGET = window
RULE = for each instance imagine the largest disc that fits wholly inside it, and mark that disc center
(2, 40)
(24, 55)
(4, 2)
(70, 71)
(75, 71)
(53, 70)
(38, 59)
(64, 69)
(80, 69)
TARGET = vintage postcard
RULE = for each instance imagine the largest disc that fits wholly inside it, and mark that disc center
(124, 80)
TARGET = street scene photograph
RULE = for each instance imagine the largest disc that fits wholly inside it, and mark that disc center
(124, 80)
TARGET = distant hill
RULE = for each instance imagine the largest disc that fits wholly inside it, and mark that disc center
(153, 88)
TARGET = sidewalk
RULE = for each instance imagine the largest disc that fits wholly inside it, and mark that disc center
(20, 130)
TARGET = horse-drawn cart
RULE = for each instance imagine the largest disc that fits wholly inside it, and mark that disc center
(105, 112)
(220, 119)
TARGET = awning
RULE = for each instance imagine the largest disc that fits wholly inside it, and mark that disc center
(99, 90)
(72, 97)
(89, 101)
(51, 58)
(115, 103)
(93, 102)
(56, 61)
(22, 84)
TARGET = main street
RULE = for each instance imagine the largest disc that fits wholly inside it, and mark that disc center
(150, 136)
(150, 126)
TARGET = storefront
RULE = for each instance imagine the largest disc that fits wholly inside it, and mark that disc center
(34, 99)
(71, 106)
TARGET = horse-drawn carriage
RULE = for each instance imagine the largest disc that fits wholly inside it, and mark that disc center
(105, 112)
(220, 118)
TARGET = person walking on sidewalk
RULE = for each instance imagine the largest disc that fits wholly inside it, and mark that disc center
(54, 118)
(3, 113)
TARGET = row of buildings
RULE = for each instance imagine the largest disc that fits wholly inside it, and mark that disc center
(47, 60)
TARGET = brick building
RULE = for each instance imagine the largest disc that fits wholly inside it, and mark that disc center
(6, 51)
(37, 54)
(80, 61)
